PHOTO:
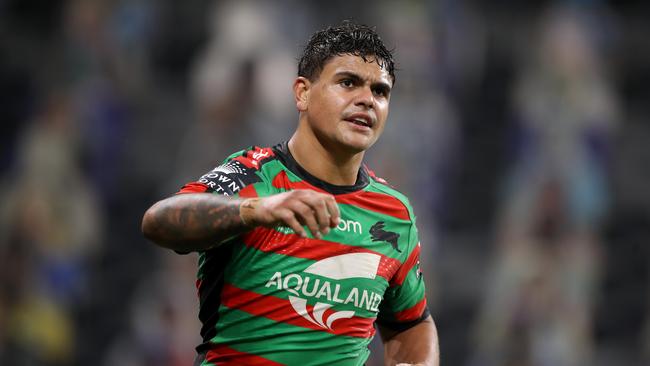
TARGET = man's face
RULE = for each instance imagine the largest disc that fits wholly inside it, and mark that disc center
(347, 106)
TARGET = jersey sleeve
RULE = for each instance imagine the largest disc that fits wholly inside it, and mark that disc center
(405, 303)
(234, 177)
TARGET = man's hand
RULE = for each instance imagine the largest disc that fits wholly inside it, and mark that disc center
(294, 209)
(199, 221)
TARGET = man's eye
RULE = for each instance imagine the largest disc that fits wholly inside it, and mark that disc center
(380, 92)
(347, 83)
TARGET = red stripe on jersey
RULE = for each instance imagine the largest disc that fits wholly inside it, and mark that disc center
(247, 162)
(403, 271)
(281, 180)
(248, 192)
(376, 202)
(224, 355)
(412, 313)
(194, 187)
(271, 241)
(280, 310)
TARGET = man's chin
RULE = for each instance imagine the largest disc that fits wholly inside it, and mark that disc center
(356, 146)
(349, 143)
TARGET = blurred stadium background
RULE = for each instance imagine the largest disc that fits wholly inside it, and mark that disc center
(519, 130)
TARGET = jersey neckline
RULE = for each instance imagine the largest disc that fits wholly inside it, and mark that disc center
(281, 150)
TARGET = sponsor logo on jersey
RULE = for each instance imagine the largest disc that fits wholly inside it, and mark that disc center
(285, 229)
(377, 233)
(232, 167)
(220, 179)
(258, 155)
(349, 226)
(304, 286)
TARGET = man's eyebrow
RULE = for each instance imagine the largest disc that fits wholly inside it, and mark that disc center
(348, 75)
(386, 87)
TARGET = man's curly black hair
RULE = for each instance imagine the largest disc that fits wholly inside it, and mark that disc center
(347, 39)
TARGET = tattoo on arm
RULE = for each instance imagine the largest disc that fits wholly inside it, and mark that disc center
(195, 221)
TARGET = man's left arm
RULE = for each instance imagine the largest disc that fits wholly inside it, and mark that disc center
(406, 327)
(417, 345)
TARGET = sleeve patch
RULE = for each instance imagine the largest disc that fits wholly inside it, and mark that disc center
(227, 179)
(258, 154)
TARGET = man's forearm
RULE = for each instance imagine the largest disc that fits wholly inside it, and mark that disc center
(415, 346)
(194, 221)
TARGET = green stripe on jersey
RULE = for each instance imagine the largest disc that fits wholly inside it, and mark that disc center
(278, 341)
(272, 168)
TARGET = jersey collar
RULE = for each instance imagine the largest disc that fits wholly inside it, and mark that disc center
(284, 155)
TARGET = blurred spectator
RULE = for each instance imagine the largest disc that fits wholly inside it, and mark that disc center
(423, 127)
(241, 85)
(106, 46)
(539, 304)
(50, 229)
(163, 327)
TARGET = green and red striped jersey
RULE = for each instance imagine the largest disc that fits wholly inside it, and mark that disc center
(271, 297)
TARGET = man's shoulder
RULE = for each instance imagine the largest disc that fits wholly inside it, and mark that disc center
(381, 185)
(384, 186)
(238, 171)
(252, 157)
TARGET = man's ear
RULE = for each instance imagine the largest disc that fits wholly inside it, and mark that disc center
(301, 88)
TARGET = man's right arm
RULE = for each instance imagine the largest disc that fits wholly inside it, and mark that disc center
(200, 221)
(192, 221)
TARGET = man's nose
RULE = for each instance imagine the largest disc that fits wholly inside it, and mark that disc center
(365, 98)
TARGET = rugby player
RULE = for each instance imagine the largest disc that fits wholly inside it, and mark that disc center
(302, 249)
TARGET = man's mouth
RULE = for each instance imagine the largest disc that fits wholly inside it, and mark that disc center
(360, 120)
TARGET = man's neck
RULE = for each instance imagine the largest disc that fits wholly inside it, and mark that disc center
(339, 169)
